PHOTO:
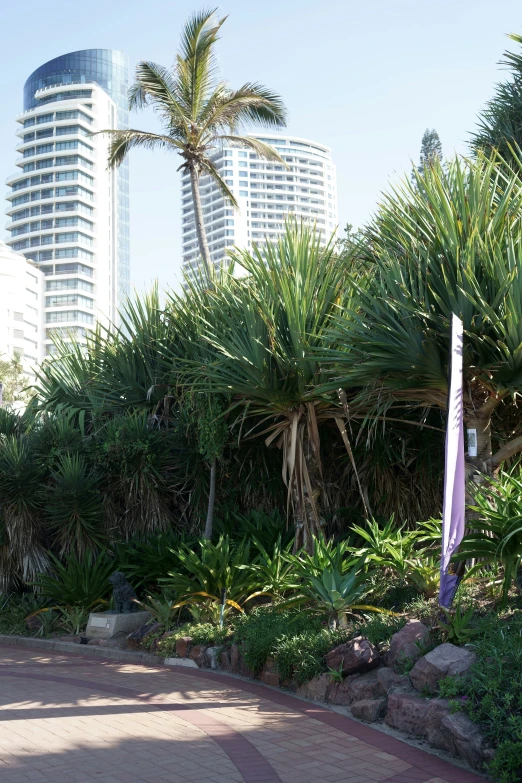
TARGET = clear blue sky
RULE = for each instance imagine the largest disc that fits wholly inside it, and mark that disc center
(365, 78)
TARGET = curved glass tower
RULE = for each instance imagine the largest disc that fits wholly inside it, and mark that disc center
(68, 213)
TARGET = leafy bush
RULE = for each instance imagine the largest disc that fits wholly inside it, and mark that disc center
(144, 563)
(491, 693)
(259, 631)
(201, 633)
(215, 567)
(301, 657)
(77, 583)
(497, 536)
(380, 628)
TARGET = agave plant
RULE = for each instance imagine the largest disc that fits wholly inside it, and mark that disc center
(337, 594)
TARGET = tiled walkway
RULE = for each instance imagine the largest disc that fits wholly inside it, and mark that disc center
(68, 719)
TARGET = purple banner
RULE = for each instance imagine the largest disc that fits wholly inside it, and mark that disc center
(453, 515)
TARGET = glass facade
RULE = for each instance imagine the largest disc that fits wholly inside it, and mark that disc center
(109, 69)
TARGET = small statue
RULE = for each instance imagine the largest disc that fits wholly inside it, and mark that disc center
(123, 594)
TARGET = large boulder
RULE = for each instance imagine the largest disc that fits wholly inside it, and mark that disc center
(183, 645)
(357, 655)
(197, 654)
(340, 692)
(315, 689)
(407, 713)
(390, 681)
(366, 686)
(463, 738)
(443, 661)
(224, 661)
(405, 644)
(437, 710)
(369, 710)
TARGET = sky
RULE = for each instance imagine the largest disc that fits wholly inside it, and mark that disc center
(365, 78)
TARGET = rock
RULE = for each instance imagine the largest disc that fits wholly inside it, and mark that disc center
(407, 713)
(234, 658)
(270, 678)
(341, 692)
(269, 674)
(197, 654)
(463, 738)
(95, 642)
(224, 661)
(366, 687)
(369, 710)
(136, 639)
(33, 622)
(211, 657)
(357, 655)
(315, 689)
(390, 681)
(443, 661)
(404, 644)
(183, 645)
(437, 710)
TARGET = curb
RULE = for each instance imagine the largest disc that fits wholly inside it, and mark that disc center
(85, 650)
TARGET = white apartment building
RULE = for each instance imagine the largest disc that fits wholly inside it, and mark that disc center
(21, 327)
(68, 213)
(267, 192)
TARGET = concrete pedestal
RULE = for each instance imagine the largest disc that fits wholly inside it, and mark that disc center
(103, 625)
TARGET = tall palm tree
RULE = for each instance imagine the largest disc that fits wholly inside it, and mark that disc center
(198, 112)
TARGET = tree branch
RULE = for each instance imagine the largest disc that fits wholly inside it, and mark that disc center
(506, 451)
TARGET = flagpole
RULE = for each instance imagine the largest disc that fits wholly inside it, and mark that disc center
(453, 515)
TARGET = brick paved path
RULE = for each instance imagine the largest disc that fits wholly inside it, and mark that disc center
(68, 719)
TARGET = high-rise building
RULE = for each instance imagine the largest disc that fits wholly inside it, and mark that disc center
(69, 214)
(21, 294)
(266, 192)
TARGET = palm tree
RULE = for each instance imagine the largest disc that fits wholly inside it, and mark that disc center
(198, 112)
(453, 244)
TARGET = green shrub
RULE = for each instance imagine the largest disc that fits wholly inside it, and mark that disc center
(301, 657)
(491, 694)
(258, 632)
(201, 633)
(77, 583)
(380, 629)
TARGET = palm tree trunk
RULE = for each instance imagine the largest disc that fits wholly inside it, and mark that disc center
(211, 500)
(200, 225)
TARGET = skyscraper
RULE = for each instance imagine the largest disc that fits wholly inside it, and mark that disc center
(68, 213)
(266, 192)
(21, 294)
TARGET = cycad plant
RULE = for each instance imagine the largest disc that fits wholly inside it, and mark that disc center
(198, 113)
